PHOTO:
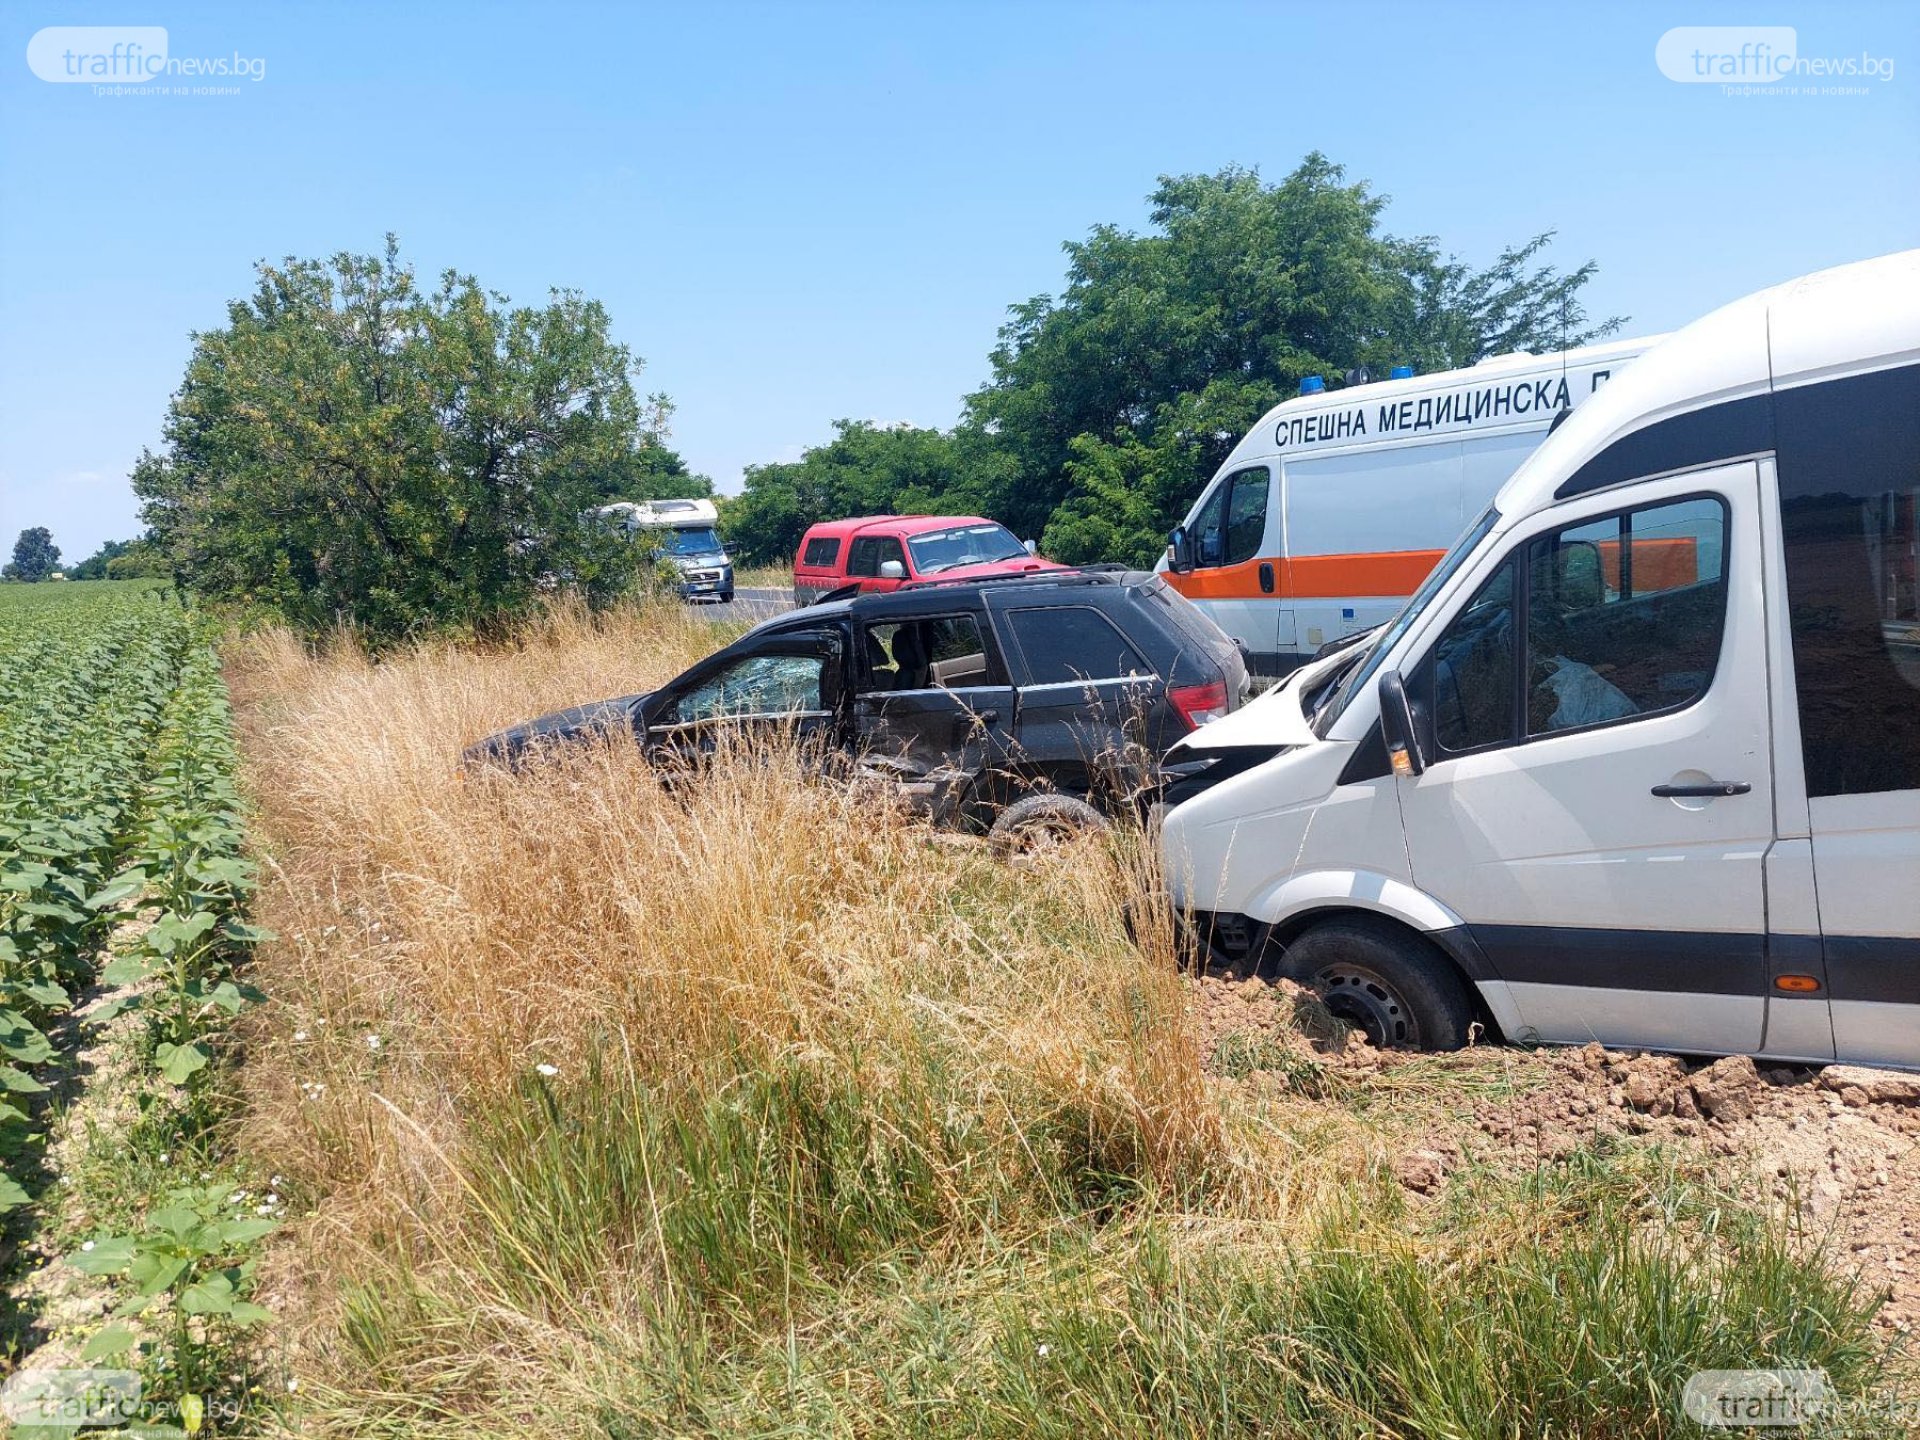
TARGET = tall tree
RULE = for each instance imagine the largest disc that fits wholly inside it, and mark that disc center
(1115, 401)
(352, 447)
(35, 556)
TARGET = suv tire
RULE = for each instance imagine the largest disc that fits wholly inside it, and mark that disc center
(1034, 824)
(1385, 981)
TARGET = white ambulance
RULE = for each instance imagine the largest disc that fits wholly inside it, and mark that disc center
(1640, 761)
(1337, 503)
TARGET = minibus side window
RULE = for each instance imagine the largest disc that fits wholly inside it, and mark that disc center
(1849, 457)
(1472, 671)
(1625, 615)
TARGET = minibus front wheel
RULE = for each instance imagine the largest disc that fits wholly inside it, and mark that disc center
(1384, 980)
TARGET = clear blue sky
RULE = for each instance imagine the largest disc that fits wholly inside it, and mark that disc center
(799, 212)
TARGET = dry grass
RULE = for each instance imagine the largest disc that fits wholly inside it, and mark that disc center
(758, 1106)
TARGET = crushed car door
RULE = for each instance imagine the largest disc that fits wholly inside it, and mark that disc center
(932, 706)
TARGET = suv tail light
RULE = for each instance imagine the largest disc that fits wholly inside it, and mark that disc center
(1198, 704)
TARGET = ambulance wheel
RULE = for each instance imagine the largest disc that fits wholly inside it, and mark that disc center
(1385, 981)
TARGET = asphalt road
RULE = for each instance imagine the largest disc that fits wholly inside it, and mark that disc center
(754, 605)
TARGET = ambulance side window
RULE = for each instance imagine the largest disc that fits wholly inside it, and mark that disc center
(1209, 528)
(1233, 520)
(1246, 514)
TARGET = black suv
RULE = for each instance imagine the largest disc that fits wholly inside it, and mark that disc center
(1017, 703)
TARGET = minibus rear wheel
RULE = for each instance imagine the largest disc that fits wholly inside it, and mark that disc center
(1384, 980)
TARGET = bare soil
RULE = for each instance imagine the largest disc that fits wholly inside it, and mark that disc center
(1837, 1149)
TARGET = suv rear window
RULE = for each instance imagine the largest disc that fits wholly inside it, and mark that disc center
(1072, 643)
(821, 552)
(1187, 618)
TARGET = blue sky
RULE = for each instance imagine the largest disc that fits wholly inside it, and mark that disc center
(806, 211)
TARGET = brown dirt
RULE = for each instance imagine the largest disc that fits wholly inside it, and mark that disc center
(1837, 1149)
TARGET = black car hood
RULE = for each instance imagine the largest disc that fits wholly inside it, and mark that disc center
(582, 722)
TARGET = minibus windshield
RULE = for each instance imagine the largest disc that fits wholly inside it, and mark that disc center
(1359, 671)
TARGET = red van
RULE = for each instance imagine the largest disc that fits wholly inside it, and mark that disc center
(883, 552)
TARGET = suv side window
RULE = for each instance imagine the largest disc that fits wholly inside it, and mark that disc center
(870, 552)
(1072, 644)
(755, 685)
(945, 653)
(822, 551)
(1622, 617)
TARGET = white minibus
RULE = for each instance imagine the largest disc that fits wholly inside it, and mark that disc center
(1335, 505)
(1640, 761)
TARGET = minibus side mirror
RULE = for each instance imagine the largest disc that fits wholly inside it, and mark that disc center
(1180, 551)
(1398, 728)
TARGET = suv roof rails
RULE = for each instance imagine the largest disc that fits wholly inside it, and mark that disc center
(845, 592)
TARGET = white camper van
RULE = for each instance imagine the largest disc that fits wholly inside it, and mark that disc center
(1640, 761)
(1336, 505)
(687, 537)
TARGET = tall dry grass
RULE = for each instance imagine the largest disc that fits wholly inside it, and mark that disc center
(752, 1104)
(464, 962)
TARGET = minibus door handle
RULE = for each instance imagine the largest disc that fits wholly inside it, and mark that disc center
(1712, 789)
(1266, 577)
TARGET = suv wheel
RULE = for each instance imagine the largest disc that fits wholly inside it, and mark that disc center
(1384, 981)
(1036, 824)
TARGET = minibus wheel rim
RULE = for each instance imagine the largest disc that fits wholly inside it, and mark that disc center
(1365, 999)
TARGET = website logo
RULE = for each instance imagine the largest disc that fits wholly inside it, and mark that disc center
(1760, 58)
(129, 55)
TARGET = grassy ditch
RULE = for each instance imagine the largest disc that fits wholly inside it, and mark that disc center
(613, 1109)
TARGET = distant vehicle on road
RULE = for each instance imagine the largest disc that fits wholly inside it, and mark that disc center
(882, 552)
(1338, 503)
(1028, 705)
(685, 531)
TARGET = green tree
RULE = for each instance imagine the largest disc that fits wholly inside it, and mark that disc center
(1165, 347)
(122, 560)
(35, 556)
(865, 469)
(352, 447)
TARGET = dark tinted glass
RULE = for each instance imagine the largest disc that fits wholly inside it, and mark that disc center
(870, 552)
(1246, 515)
(1069, 643)
(822, 552)
(1849, 466)
(1625, 614)
(1473, 674)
